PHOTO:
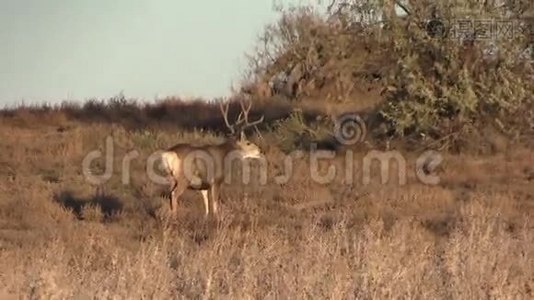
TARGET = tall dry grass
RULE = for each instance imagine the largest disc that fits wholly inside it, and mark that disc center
(60, 237)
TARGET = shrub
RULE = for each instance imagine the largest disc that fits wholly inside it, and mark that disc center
(439, 84)
(435, 83)
(301, 132)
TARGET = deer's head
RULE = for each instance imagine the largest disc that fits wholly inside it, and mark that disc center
(237, 130)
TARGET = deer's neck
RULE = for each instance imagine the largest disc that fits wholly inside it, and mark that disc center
(230, 146)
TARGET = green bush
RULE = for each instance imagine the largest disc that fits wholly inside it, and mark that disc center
(434, 84)
(441, 83)
(296, 133)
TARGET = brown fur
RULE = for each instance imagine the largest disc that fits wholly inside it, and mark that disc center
(188, 168)
(203, 167)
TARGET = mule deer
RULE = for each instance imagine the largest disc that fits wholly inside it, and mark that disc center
(203, 167)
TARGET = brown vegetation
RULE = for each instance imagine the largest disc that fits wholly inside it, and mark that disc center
(469, 236)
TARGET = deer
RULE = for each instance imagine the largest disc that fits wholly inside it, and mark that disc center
(203, 167)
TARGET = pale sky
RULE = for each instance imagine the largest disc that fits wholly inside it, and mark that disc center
(54, 50)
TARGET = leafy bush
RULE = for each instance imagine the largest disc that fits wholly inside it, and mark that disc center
(441, 83)
(435, 83)
(300, 133)
(305, 53)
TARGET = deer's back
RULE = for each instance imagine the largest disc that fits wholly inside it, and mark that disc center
(214, 150)
(205, 162)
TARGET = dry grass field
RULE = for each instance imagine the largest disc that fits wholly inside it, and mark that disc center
(468, 237)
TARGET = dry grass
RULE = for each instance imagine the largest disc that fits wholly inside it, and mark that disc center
(468, 237)
(60, 237)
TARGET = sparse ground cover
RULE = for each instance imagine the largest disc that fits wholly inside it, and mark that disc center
(469, 236)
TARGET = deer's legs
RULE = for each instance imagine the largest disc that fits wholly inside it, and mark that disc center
(214, 198)
(206, 201)
(179, 187)
(173, 183)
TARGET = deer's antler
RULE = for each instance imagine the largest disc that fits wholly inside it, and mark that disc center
(224, 112)
(246, 111)
(242, 120)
